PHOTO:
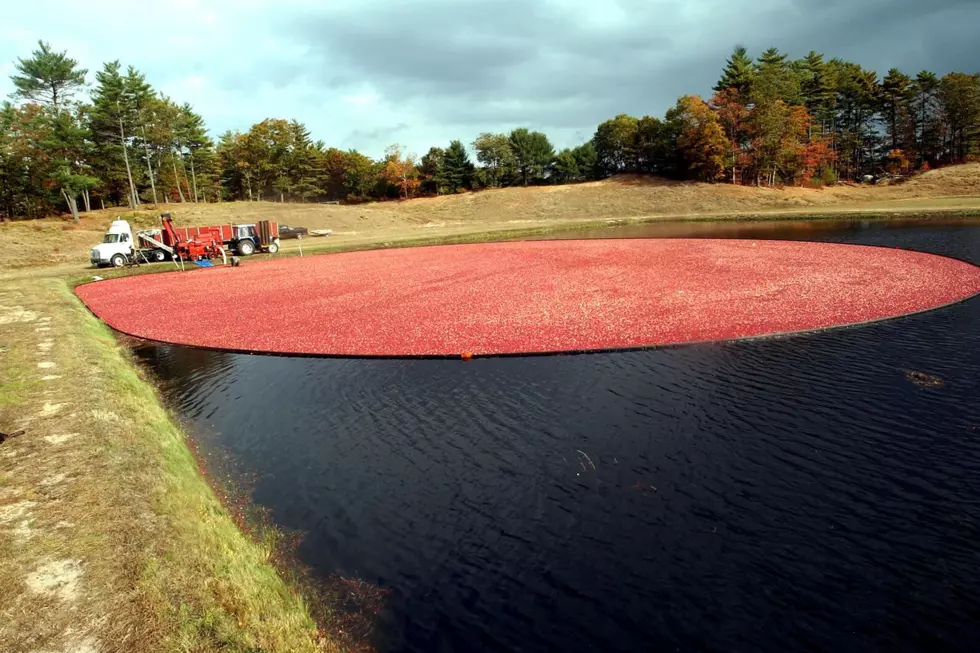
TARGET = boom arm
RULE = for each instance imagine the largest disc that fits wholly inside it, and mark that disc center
(169, 233)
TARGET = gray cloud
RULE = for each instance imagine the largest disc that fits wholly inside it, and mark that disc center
(363, 73)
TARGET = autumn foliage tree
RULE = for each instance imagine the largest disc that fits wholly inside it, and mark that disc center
(701, 141)
(729, 105)
(400, 171)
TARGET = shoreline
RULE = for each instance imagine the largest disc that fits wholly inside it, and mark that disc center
(80, 275)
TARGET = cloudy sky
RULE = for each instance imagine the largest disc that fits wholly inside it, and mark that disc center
(368, 73)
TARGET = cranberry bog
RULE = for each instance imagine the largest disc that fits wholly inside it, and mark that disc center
(529, 297)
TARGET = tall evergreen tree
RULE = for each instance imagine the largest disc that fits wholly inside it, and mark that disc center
(430, 170)
(926, 107)
(817, 90)
(858, 107)
(896, 95)
(457, 169)
(48, 77)
(200, 153)
(66, 148)
(142, 100)
(774, 79)
(586, 160)
(738, 72)
(959, 96)
(564, 169)
(111, 124)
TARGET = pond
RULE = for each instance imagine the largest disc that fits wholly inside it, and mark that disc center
(817, 491)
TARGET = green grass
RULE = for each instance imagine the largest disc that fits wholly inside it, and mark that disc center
(230, 596)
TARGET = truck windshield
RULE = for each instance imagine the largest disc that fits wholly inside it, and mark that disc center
(111, 238)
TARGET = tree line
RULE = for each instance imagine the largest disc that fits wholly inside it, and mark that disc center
(771, 121)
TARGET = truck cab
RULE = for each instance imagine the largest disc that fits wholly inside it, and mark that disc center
(116, 246)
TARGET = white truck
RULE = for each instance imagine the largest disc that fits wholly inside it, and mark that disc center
(119, 246)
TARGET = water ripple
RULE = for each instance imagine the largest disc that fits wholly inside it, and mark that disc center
(783, 494)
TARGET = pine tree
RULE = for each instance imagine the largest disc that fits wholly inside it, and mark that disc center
(200, 152)
(48, 77)
(66, 145)
(926, 106)
(774, 79)
(586, 160)
(457, 169)
(857, 107)
(817, 89)
(564, 168)
(959, 96)
(110, 123)
(430, 169)
(738, 73)
(141, 99)
(896, 95)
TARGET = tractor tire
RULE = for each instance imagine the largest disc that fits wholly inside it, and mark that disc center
(273, 248)
(117, 260)
(246, 248)
(158, 255)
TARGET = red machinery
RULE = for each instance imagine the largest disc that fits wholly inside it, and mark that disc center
(244, 239)
(206, 244)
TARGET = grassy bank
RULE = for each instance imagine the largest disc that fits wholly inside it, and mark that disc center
(954, 190)
(110, 538)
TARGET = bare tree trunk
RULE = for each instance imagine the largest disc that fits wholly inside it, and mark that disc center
(87, 199)
(72, 204)
(282, 199)
(194, 178)
(248, 182)
(102, 202)
(183, 170)
(134, 200)
(180, 192)
(149, 165)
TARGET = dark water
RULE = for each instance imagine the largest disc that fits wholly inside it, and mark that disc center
(776, 495)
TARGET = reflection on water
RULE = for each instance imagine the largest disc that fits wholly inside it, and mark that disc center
(795, 493)
(832, 230)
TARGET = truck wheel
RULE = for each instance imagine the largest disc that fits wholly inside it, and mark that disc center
(273, 248)
(158, 255)
(118, 260)
(299, 236)
(246, 248)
